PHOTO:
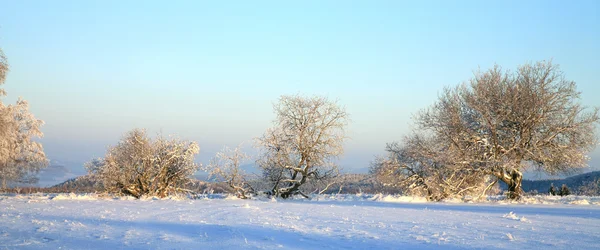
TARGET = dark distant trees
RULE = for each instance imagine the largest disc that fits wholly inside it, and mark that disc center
(307, 135)
(139, 166)
(499, 124)
(564, 190)
(552, 190)
(21, 157)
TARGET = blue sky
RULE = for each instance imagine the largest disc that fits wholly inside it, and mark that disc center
(209, 71)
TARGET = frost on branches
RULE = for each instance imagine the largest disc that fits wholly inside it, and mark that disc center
(497, 125)
(139, 166)
(225, 167)
(21, 157)
(307, 136)
(423, 167)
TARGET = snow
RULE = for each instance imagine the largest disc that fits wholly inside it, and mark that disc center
(71, 221)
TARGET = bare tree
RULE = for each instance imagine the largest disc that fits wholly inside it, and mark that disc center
(21, 157)
(590, 188)
(139, 166)
(508, 122)
(307, 136)
(226, 167)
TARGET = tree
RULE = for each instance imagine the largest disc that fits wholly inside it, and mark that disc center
(564, 190)
(590, 188)
(307, 137)
(225, 167)
(552, 190)
(21, 157)
(506, 122)
(139, 166)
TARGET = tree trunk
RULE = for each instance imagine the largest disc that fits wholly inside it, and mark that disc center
(294, 188)
(514, 189)
(513, 180)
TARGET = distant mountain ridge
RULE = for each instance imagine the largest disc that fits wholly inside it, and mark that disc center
(573, 182)
(55, 173)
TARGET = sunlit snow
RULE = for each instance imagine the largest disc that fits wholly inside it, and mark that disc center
(67, 221)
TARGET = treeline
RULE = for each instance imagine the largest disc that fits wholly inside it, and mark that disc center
(487, 130)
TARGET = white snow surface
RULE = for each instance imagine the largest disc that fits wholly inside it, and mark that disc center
(69, 221)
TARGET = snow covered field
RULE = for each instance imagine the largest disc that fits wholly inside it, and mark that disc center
(325, 222)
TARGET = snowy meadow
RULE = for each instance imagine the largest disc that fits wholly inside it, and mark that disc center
(69, 221)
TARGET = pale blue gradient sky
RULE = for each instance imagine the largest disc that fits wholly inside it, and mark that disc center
(209, 71)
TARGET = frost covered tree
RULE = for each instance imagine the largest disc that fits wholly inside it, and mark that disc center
(307, 137)
(21, 157)
(226, 167)
(502, 123)
(139, 166)
(590, 188)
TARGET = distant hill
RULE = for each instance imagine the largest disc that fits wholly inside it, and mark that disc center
(573, 182)
(53, 174)
(365, 183)
(83, 183)
(351, 183)
(87, 184)
(346, 183)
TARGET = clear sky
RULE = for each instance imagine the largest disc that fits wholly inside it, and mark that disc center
(210, 70)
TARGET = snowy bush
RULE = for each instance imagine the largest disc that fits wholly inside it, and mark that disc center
(139, 166)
